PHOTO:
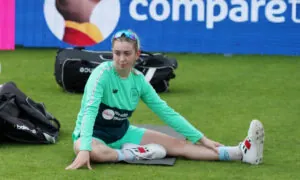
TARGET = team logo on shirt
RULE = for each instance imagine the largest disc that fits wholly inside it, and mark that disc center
(134, 95)
(108, 114)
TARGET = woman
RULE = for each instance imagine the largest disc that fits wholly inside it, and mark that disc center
(104, 134)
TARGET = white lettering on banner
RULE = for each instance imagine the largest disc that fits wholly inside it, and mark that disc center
(294, 10)
(133, 10)
(188, 5)
(210, 14)
(165, 13)
(271, 11)
(243, 10)
(235, 10)
(256, 4)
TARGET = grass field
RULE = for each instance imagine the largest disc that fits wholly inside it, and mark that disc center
(219, 95)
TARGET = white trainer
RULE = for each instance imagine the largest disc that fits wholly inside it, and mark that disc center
(253, 145)
(146, 152)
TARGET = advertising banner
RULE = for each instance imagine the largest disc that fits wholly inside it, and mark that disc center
(192, 26)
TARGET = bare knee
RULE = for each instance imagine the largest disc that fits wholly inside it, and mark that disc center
(176, 147)
(102, 153)
(99, 153)
(173, 146)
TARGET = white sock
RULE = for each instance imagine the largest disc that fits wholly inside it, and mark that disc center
(124, 155)
(230, 153)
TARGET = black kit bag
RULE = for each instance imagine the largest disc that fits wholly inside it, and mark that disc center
(24, 120)
(73, 67)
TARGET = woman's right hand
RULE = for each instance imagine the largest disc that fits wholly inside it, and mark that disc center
(82, 158)
(210, 144)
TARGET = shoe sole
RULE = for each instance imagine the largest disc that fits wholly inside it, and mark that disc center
(257, 134)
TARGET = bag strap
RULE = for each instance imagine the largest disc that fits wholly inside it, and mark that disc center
(146, 53)
(143, 61)
(42, 115)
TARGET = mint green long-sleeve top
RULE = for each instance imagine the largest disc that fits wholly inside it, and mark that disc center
(108, 102)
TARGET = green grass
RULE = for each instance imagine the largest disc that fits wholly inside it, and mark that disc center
(219, 95)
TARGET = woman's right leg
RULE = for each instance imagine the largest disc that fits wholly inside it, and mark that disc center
(103, 153)
(100, 152)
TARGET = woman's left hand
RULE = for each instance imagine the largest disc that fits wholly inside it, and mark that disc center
(210, 143)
